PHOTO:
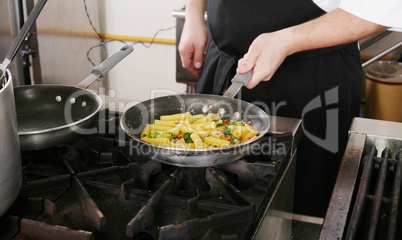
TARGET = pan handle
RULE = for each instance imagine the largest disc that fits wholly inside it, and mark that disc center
(109, 63)
(243, 77)
(100, 70)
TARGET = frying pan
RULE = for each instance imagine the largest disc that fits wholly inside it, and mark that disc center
(49, 115)
(136, 117)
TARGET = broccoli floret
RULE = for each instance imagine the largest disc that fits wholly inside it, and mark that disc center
(187, 137)
(234, 123)
(234, 141)
(160, 134)
(219, 123)
(228, 131)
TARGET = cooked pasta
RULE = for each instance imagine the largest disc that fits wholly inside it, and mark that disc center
(199, 131)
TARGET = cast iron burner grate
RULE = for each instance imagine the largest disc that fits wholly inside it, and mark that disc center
(93, 189)
(376, 213)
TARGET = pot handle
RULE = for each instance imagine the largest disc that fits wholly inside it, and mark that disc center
(100, 70)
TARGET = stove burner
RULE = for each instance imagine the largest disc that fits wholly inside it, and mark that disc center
(376, 210)
(93, 189)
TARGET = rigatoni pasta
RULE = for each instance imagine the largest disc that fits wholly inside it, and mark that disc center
(199, 131)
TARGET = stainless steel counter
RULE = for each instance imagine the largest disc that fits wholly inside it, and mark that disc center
(279, 222)
(299, 227)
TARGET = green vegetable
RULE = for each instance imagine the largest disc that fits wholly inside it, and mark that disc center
(236, 123)
(219, 123)
(228, 131)
(151, 135)
(187, 138)
(234, 141)
(160, 134)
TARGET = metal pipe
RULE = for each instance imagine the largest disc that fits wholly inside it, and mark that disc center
(385, 52)
(374, 40)
(376, 208)
(182, 14)
(361, 195)
(395, 198)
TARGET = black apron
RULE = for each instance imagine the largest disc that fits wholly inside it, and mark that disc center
(329, 77)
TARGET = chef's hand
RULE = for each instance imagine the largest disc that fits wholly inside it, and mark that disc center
(264, 56)
(192, 45)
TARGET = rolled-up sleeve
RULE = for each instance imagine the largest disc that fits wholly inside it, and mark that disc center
(387, 12)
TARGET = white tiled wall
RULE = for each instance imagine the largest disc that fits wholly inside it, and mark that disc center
(62, 55)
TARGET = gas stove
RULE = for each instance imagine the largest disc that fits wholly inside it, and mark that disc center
(92, 188)
(366, 201)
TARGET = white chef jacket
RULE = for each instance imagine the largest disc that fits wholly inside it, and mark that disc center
(387, 12)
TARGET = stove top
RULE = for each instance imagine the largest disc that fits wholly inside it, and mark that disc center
(93, 188)
(365, 203)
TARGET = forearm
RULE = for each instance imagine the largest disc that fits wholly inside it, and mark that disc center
(195, 10)
(268, 50)
(335, 28)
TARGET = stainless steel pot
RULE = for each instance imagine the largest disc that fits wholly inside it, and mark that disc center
(10, 156)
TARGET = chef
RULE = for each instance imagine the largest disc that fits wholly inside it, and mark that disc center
(306, 64)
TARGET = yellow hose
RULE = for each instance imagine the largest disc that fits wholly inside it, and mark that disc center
(106, 36)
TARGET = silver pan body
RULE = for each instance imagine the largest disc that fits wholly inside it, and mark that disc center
(135, 118)
(49, 115)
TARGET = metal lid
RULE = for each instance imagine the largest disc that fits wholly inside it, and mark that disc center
(385, 71)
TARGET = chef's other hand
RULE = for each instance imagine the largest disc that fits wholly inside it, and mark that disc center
(192, 45)
(265, 55)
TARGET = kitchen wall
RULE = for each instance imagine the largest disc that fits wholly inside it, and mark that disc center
(5, 31)
(8, 31)
(147, 69)
(65, 36)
